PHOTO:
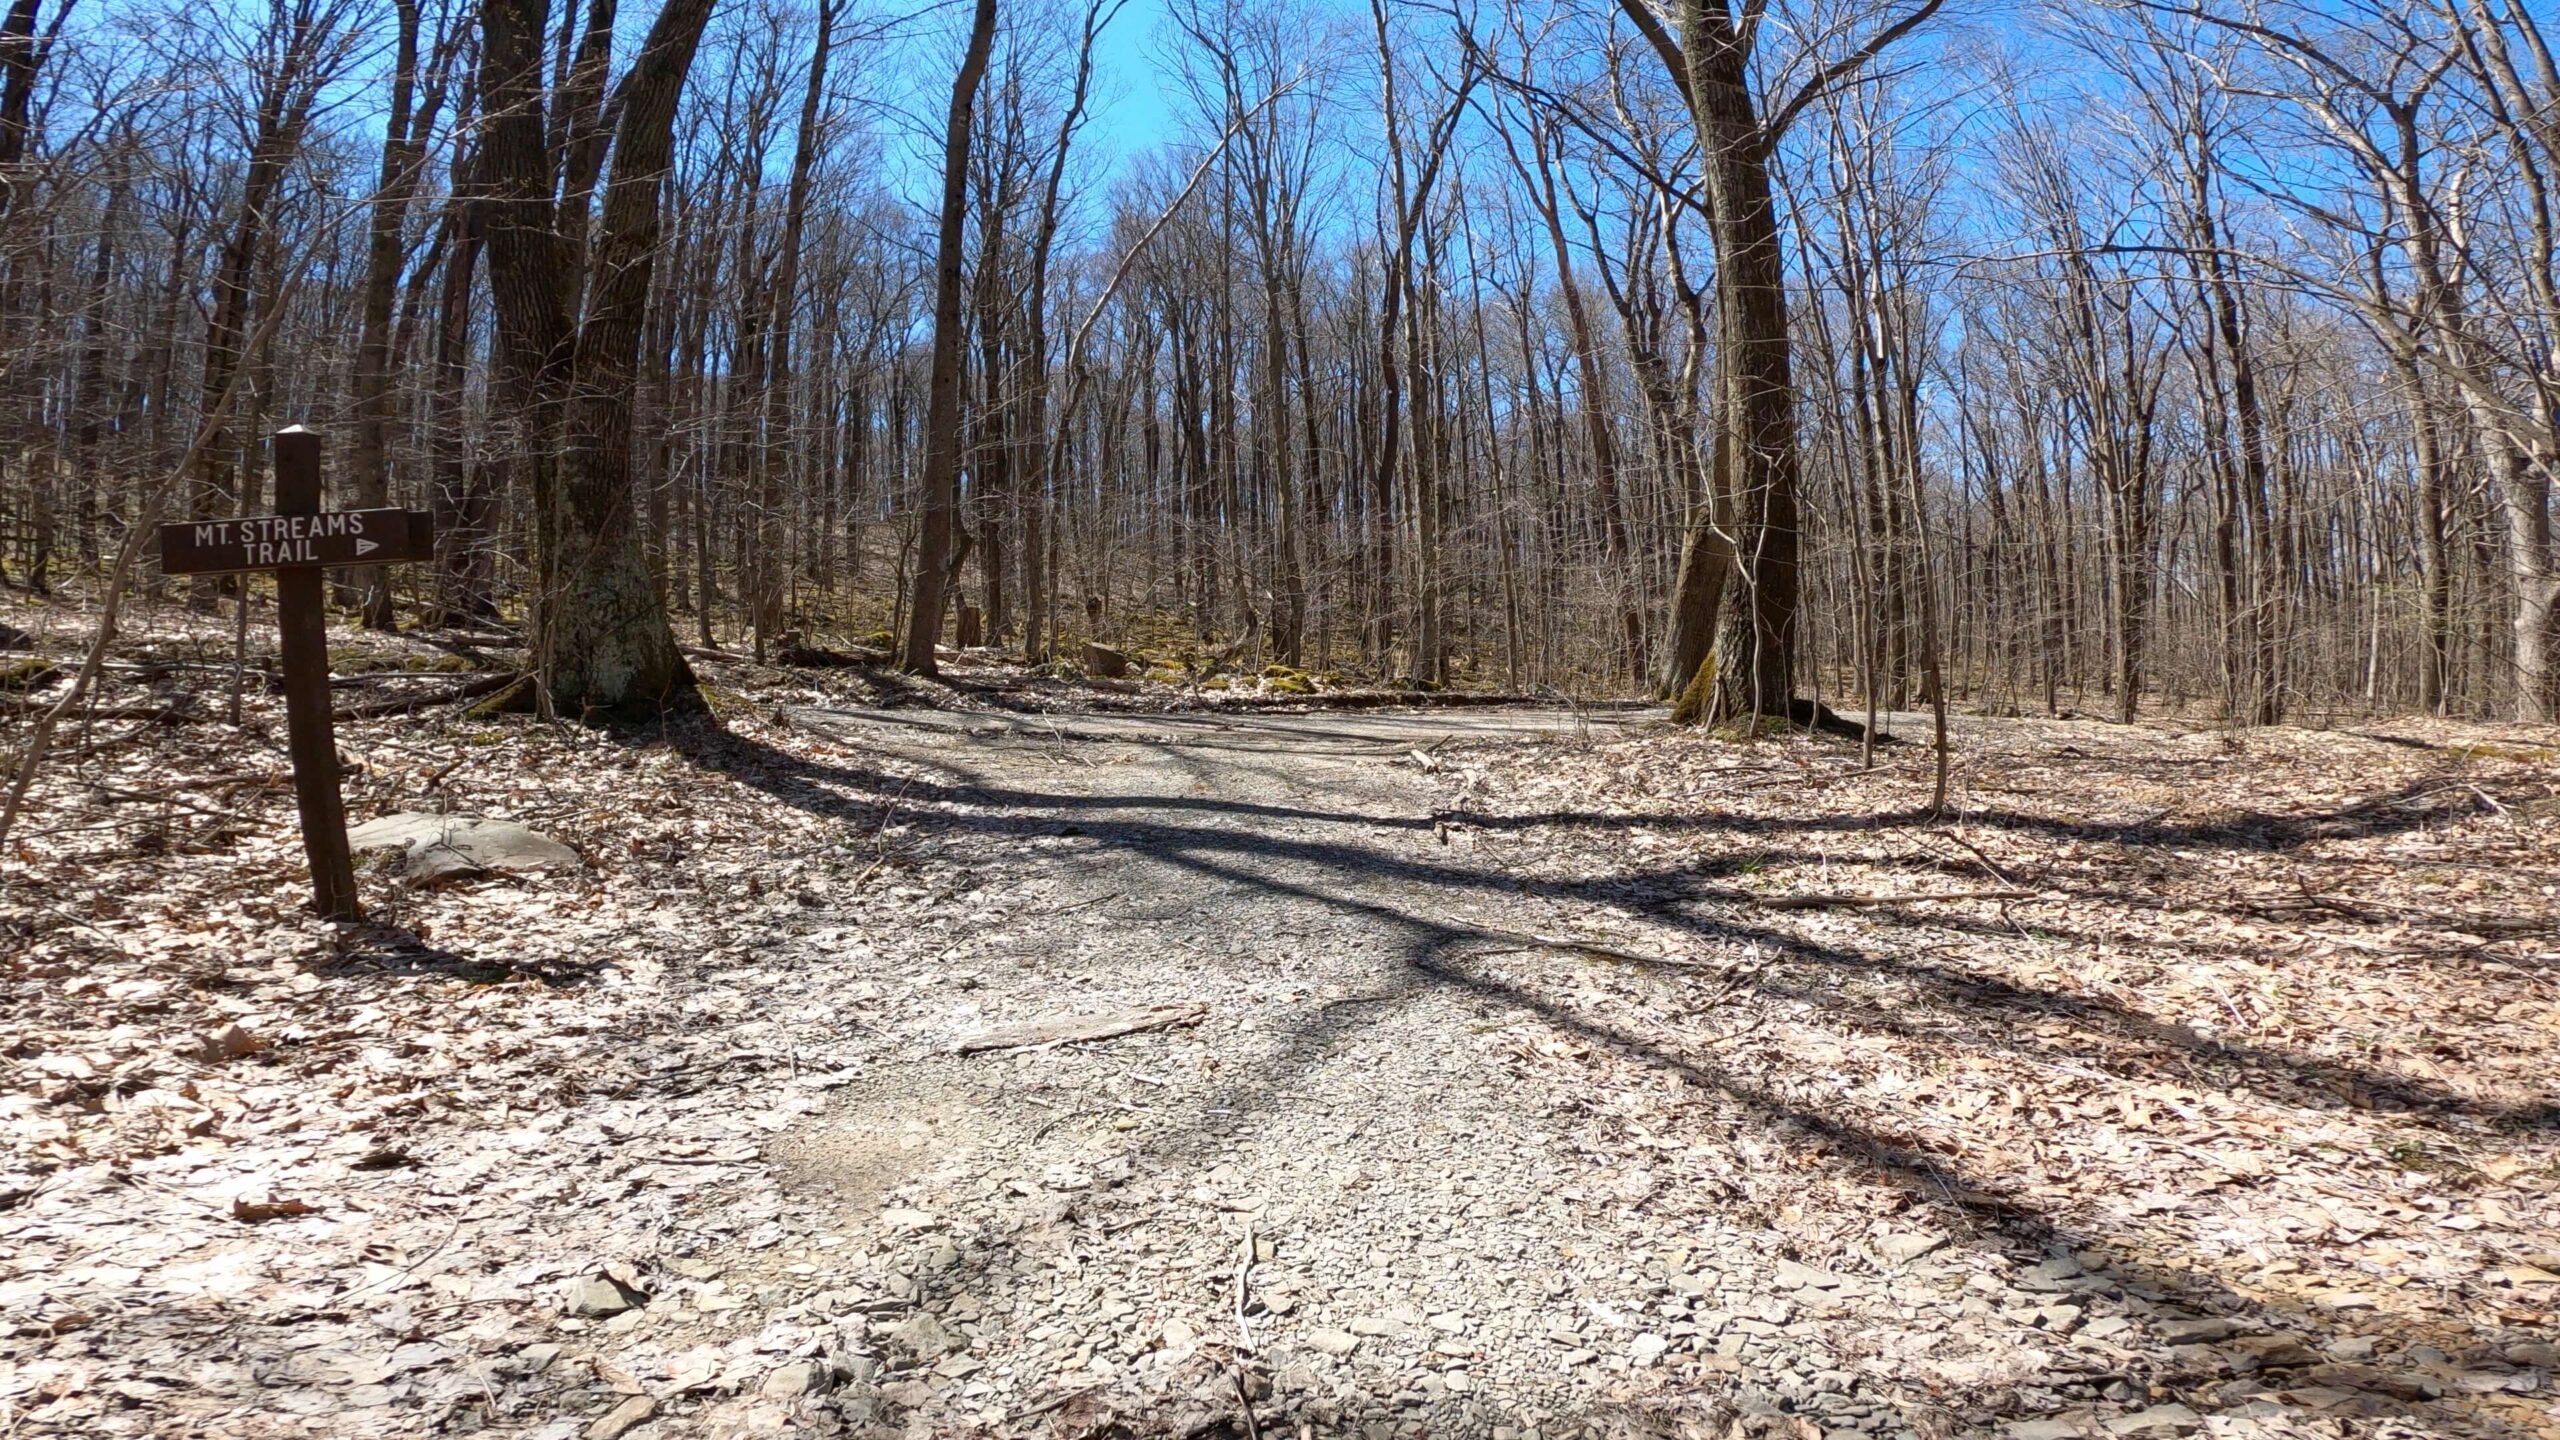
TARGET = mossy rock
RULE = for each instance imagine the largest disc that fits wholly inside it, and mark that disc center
(1281, 680)
(1214, 682)
(880, 640)
(1164, 675)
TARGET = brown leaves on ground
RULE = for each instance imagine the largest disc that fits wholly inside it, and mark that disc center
(261, 1175)
(2258, 1025)
(2271, 1030)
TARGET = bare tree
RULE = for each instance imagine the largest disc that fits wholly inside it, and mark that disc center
(934, 558)
(1711, 61)
(602, 642)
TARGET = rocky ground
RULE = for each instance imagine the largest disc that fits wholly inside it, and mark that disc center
(1504, 1073)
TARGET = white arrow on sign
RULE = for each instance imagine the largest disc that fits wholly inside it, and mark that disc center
(366, 547)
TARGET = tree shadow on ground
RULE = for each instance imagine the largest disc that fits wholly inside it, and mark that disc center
(388, 949)
(2417, 803)
(1999, 1212)
(850, 792)
(1989, 1012)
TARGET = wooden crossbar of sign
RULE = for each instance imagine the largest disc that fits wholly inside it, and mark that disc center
(297, 543)
(276, 542)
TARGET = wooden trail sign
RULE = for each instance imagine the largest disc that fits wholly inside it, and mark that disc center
(298, 542)
(273, 542)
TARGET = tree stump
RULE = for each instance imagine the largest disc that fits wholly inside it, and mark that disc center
(973, 627)
(1103, 662)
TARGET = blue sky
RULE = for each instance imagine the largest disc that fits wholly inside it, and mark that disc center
(1132, 112)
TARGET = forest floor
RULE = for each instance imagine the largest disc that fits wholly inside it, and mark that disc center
(1515, 1072)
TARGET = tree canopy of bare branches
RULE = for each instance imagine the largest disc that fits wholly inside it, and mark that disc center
(1815, 350)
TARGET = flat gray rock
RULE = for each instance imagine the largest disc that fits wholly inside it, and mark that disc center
(1806, 1277)
(599, 1297)
(925, 1336)
(800, 1377)
(622, 1419)
(446, 847)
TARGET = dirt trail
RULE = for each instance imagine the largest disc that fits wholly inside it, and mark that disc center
(1509, 1114)
(1434, 1247)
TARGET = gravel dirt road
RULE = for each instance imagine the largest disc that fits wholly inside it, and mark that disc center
(1349, 1190)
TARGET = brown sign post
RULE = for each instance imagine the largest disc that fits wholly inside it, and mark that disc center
(299, 542)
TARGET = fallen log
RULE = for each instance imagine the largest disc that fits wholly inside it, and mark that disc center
(1392, 699)
(29, 674)
(377, 677)
(820, 657)
(401, 705)
(170, 711)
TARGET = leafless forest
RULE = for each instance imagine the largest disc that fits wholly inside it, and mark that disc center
(1219, 638)
(2091, 357)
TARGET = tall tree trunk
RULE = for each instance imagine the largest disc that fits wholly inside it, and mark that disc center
(22, 55)
(1757, 404)
(942, 401)
(464, 489)
(602, 644)
(2435, 567)
(402, 146)
(2524, 495)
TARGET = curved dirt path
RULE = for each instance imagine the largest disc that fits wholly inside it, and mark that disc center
(1363, 1110)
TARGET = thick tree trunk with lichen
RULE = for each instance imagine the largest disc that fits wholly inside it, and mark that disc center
(602, 644)
(2524, 497)
(1698, 602)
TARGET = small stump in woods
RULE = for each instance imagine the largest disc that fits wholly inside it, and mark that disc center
(1104, 663)
(973, 627)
